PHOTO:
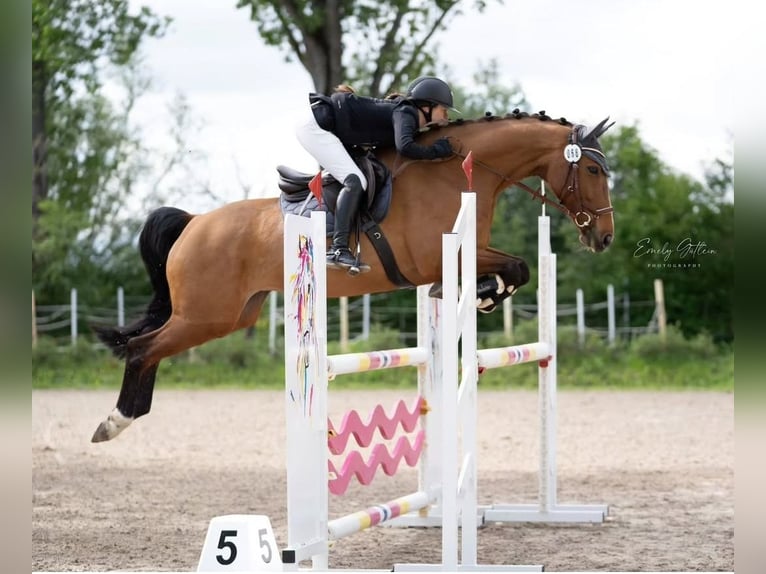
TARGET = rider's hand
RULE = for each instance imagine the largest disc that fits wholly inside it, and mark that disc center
(442, 148)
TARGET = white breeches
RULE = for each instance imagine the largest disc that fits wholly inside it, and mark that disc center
(327, 149)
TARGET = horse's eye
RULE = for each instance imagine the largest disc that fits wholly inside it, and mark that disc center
(593, 169)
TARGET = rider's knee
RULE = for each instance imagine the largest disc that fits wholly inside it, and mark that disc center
(353, 183)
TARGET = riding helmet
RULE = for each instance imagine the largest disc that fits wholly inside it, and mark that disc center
(431, 89)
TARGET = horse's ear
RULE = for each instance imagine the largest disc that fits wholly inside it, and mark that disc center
(599, 130)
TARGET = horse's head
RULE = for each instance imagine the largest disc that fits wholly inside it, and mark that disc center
(579, 177)
(519, 145)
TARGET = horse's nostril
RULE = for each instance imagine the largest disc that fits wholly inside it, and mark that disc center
(607, 241)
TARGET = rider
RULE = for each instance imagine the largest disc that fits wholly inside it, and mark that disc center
(345, 120)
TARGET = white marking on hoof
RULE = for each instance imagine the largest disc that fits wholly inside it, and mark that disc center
(483, 303)
(114, 424)
(511, 289)
(500, 284)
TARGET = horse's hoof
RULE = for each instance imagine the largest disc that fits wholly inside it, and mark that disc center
(435, 292)
(114, 424)
(101, 434)
(487, 309)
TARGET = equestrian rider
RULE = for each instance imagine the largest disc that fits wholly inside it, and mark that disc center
(345, 120)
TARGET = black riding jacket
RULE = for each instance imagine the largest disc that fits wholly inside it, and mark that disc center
(363, 121)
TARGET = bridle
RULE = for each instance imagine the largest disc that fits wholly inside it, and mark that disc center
(573, 152)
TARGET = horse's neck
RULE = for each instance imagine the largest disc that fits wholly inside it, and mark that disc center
(517, 148)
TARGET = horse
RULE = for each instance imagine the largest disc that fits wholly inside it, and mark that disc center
(211, 273)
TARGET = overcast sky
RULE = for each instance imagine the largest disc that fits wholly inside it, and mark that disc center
(665, 65)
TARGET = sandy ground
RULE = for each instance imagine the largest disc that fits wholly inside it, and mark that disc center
(663, 461)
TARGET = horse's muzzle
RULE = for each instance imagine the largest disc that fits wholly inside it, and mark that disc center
(595, 241)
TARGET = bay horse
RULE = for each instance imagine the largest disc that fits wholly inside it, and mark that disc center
(212, 272)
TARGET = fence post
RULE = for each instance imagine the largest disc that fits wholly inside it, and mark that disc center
(508, 319)
(120, 307)
(610, 312)
(626, 314)
(580, 318)
(659, 301)
(343, 309)
(366, 317)
(73, 315)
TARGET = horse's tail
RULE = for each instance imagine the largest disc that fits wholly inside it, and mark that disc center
(160, 232)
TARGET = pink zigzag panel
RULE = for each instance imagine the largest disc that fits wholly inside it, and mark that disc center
(354, 465)
(364, 432)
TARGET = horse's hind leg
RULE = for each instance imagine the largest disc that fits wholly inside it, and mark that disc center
(143, 356)
(135, 398)
(145, 352)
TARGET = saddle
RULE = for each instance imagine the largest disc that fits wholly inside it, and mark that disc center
(296, 198)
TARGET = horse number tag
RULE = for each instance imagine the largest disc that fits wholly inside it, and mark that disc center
(572, 153)
(240, 543)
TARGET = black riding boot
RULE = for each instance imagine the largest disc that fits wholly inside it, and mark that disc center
(339, 256)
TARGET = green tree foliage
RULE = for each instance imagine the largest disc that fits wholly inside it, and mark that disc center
(82, 143)
(654, 206)
(375, 46)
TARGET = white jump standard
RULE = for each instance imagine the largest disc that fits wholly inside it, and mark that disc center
(307, 369)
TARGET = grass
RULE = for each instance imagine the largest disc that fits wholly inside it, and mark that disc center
(240, 362)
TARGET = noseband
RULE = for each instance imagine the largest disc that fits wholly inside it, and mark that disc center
(573, 152)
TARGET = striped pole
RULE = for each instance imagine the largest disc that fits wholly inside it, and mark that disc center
(358, 521)
(375, 360)
(516, 355)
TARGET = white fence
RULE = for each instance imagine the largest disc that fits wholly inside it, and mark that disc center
(350, 319)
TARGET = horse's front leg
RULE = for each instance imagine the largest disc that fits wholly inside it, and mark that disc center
(499, 275)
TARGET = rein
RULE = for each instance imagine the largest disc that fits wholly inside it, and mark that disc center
(572, 153)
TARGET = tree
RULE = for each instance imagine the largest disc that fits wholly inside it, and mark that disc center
(73, 41)
(656, 206)
(396, 34)
(89, 158)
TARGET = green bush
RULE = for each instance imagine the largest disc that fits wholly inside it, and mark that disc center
(567, 339)
(237, 350)
(381, 338)
(568, 342)
(674, 346)
(54, 354)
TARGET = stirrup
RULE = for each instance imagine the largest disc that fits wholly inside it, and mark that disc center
(358, 268)
(342, 258)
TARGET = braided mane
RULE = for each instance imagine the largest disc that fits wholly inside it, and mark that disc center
(489, 117)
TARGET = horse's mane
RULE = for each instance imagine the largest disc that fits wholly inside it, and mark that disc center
(490, 117)
(587, 138)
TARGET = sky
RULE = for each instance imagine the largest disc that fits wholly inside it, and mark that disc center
(663, 65)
